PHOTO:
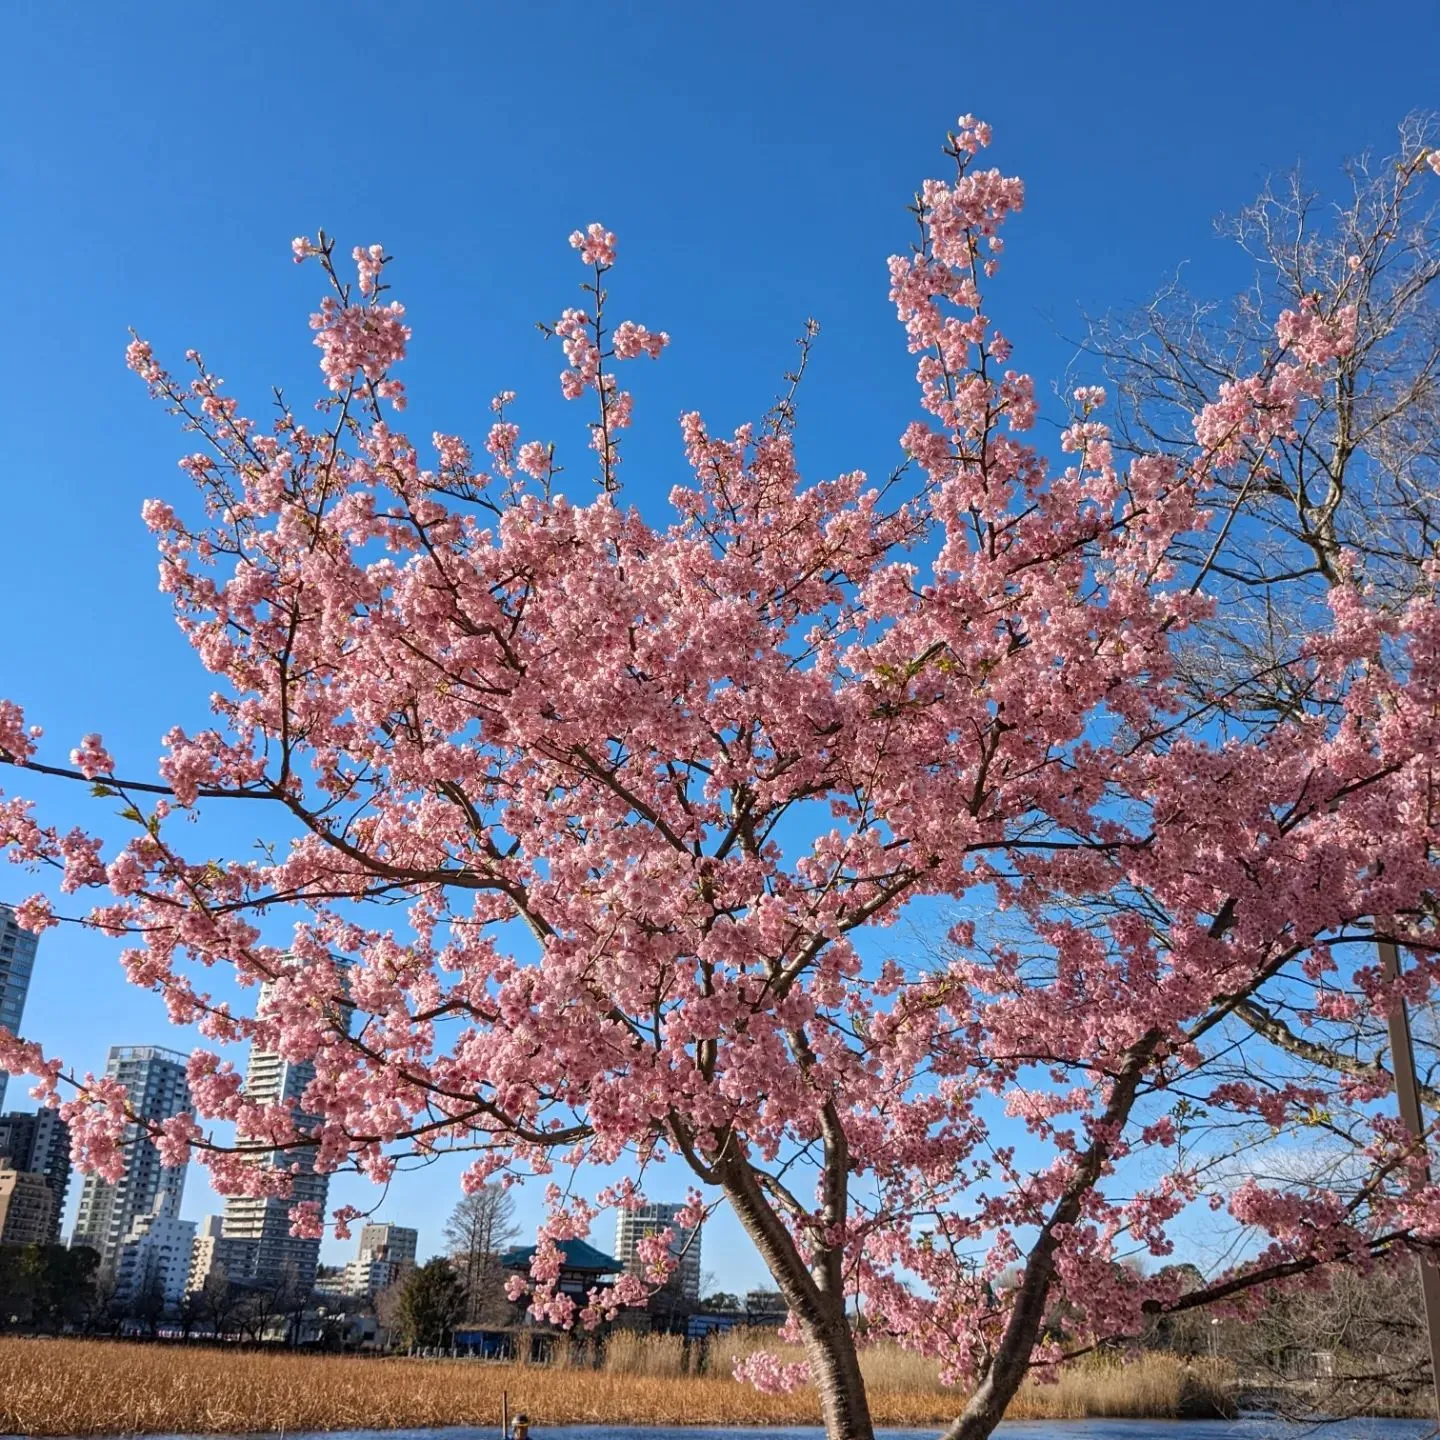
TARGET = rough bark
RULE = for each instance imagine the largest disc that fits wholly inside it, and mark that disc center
(819, 1309)
(835, 1367)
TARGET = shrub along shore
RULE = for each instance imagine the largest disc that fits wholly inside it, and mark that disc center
(96, 1387)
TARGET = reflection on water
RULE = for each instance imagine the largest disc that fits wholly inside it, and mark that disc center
(1255, 1428)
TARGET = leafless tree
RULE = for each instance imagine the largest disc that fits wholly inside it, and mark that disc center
(147, 1305)
(101, 1313)
(387, 1311)
(1359, 483)
(265, 1305)
(1355, 1345)
(220, 1302)
(479, 1229)
(1355, 492)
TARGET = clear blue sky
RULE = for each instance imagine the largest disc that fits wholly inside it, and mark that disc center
(755, 160)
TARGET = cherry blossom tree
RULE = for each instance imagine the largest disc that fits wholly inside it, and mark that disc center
(591, 820)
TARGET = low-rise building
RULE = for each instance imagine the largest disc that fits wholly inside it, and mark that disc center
(330, 1287)
(582, 1267)
(766, 1307)
(365, 1279)
(27, 1208)
(386, 1252)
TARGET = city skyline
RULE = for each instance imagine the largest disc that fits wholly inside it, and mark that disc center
(251, 1235)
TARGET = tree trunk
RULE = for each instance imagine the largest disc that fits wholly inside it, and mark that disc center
(835, 1367)
(829, 1341)
(985, 1409)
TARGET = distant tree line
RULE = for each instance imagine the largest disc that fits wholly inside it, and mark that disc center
(48, 1287)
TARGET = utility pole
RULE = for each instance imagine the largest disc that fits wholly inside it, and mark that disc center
(1407, 1092)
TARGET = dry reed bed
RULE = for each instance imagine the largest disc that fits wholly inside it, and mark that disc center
(90, 1387)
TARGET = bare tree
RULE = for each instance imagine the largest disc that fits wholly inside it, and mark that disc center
(147, 1305)
(265, 1306)
(479, 1229)
(387, 1311)
(1358, 484)
(1355, 1346)
(220, 1302)
(190, 1312)
(101, 1313)
(1353, 493)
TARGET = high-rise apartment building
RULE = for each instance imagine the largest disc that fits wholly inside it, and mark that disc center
(265, 1220)
(380, 1240)
(38, 1142)
(17, 964)
(633, 1226)
(155, 1080)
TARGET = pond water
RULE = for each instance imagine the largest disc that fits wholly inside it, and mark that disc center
(1254, 1428)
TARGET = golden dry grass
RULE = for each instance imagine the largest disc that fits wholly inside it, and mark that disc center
(1150, 1386)
(92, 1387)
(660, 1357)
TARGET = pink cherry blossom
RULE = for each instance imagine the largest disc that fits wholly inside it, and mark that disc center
(596, 244)
(35, 914)
(584, 831)
(632, 340)
(360, 342)
(91, 758)
(369, 261)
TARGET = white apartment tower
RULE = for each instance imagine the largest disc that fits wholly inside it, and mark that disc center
(632, 1226)
(155, 1080)
(17, 964)
(155, 1258)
